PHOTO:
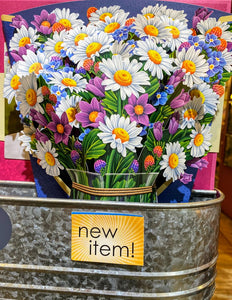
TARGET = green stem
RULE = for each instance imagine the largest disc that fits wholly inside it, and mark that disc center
(109, 167)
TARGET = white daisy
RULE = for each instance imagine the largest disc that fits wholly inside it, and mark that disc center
(111, 24)
(23, 37)
(67, 19)
(92, 46)
(212, 26)
(103, 12)
(228, 58)
(25, 142)
(11, 83)
(70, 106)
(68, 81)
(156, 59)
(124, 75)
(191, 113)
(121, 48)
(32, 63)
(73, 36)
(178, 30)
(193, 65)
(175, 15)
(152, 27)
(53, 47)
(209, 98)
(120, 133)
(152, 11)
(173, 161)
(29, 95)
(200, 141)
(48, 158)
(27, 135)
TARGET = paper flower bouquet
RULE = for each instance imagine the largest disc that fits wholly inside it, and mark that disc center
(120, 100)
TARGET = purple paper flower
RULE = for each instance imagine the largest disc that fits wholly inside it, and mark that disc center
(99, 165)
(78, 145)
(74, 156)
(200, 14)
(139, 109)
(134, 166)
(180, 100)
(95, 86)
(186, 178)
(229, 46)
(184, 45)
(18, 21)
(38, 117)
(41, 137)
(91, 113)
(157, 130)
(60, 127)
(173, 125)
(176, 78)
(44, 22)
(198, 163)
(18, 55)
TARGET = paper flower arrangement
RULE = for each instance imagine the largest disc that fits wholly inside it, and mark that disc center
(128, 96)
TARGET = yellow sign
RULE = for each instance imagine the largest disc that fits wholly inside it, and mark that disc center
(108, 238)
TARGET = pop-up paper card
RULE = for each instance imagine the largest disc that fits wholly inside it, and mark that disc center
(118, 101)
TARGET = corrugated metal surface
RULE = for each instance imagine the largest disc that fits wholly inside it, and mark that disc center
(180, 250)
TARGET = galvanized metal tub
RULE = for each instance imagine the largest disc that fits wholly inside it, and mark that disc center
(180, 250)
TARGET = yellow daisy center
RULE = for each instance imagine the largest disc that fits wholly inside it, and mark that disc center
(174, 31)
(93, 116)
(66, 23)
(46, 24)
(121, 134)
(189, 66)
(103, 16)
(93, 48)
(31, 97)
(50, 159)
(68, 82)
(60, 128)
(151, 30)
(71, 112)
(79, 37)
(36, 67)
(112, 27)
(15, 83)
(149, 15)
(173, 160)
(24, 41)
(155, 57)
(198, 140)
(139, 109)
(58, 47)
(123, 77)
(190, 114)
(197, 94)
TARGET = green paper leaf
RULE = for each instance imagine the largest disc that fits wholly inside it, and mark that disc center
(93, 147)
(161, 114)
(150, 141)
(110, 102)
(86, 95)
(150, 90)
